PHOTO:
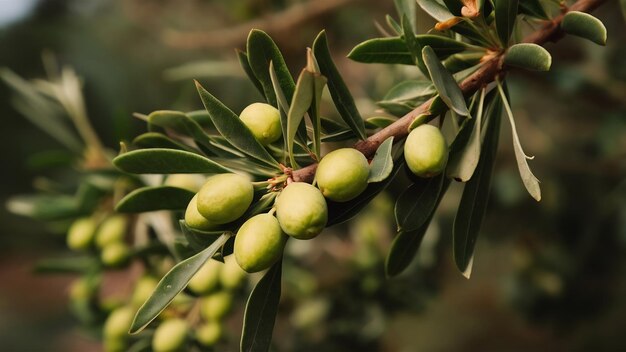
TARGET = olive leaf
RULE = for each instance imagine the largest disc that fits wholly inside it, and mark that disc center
(435, 10)
(382, 163)
(393, 25)
(159, 140)
(172, 284)
(417, 202)
(584, 25)
(230, 127)
(180, 123)
(473, 203)
(445, 84)
(379, 122)
(245, 64)
(261, 310)
(73, 265)
(196, 238)
(528, 56)
(166, 161)
(530, 181)
(45, 207)
(344, 102)
(413, 45)
(408, 9)
(283, 106)
(533, 8)
(505, 15)
(154, 198)
(319, 82)
(302, 99)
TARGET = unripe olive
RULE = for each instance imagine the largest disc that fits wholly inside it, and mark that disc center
(170, 336)
(191, 182)
(301, 210)
(111, 230)
(115, 345)
(81, 290)
(115, 254)
(207, 278)
(263, 120)
(342, 174)
(259, 243)
(193, 217)
(208, 334)
(118, 323)
(81, 233)
(215, 306)
(224, 198)
(231, 275)
(426, 151)
(144, 287)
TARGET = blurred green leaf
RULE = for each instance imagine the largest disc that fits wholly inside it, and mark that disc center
(158, 140)
(166, 161)
(445, 84)
(584, 25)
(344, 102)
(528, 56)
(172, 283)
(72, 265)
(382, 163)
(408, 9)
(230, 127)
(393, 25)
(417, 202)
(261, 310)
(533, 8)
(435, 10)
(505, 15)
(44, 207)
(454, 6)
(154, 198)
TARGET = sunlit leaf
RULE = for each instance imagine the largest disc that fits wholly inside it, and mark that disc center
(445, 84)
(382, 163)
(166, 161)
(435, 10)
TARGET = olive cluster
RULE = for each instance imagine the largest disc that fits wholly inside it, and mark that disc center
(107, 237)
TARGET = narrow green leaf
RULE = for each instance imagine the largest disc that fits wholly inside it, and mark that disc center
(202, 118)
(199, 239)
(72, 265)
(394, 50)
(413, 45)
(261, 310)
(158, 140)
(45, 207)
(393, 25)
(533, 8)
(584, 25)
(154, 198)
(283, 107)
(445, 84)
(172, 283)
(245, 64)
(344, 102)
(435, 10)
(302, 99)
(473, 203)
(180, 123)
(410, 90)
(166, 161)
(530, 181)
(417, 202)
(623, 7)
(528, 56)
(379, 122)
(382, 163)
(505, 15)
(230, 126)
(261, 51)
(454, 6)
(319, 82)
(408, 9)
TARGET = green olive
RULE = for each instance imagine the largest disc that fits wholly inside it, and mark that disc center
(263, 120)
(342, 174)
(144, 287)
(170, 336)
(426, 151)
(193, 217)
(209, 333)
(215, 306)
(191, 182)
(115, 254)
(81, 234)
(207, 278)
(225, 197)
(112, 229)
(259, 243)
(301, 210)
(118, 323)
(231, 275)
(115, 345)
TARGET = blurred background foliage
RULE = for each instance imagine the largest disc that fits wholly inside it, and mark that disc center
(547, 276)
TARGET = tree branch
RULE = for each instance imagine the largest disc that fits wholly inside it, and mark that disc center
(486, 74)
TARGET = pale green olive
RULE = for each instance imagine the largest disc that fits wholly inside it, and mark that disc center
(259, 243)
(170, 336)
(112, 229)
(144, 287)
(224, 198)
(207, 278)
(115, 254)
(191, 182)
(118, 323)
(194, 219)
(81, 234)
(263, 120)
(231, 275)
(301, 210)
(342, 174)
(426, 151)
(209, 333)
(215, 306)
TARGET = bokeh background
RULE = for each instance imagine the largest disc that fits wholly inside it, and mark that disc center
(548, 276)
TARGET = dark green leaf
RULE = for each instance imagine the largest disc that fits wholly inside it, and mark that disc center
(261, 51)
(407, 8)
(394, 50)
(410, 90)
(417, 202)
(533, 8)
(202, 118)
(584, 25)
(302, 99)
(72, 265)
(172, 283)
(454, 6)
(528, 56)
(382, 163)
(154, 198)
(166, 161)
(158, 140)
(261, 310)
(413, 45)
(435, 10)
(245, 64)
(506, 13)
(344, 102)
(476, 194)
(445, 84)
(230, 127)
(379, 122)
(180, 123)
